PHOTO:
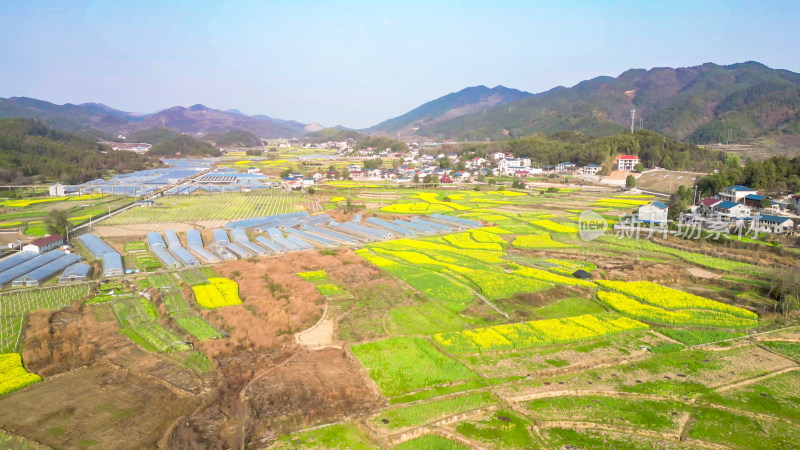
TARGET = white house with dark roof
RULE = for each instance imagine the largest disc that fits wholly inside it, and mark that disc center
(730, 209)
(591, 169)
(736, 193)
(773, 224)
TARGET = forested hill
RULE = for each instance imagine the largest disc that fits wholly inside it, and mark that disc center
(467, 101)
(183, 145)
(702, 104)
(33, 152)
(653, 149)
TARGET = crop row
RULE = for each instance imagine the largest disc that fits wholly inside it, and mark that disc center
(689, 317)
(554, 227)
(154, 337)
(537, 241)
(197, 327)
(540, 332)
(550, 277)
(673, 299)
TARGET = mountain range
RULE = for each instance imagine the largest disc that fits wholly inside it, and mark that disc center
(708, 103)
(702, 104)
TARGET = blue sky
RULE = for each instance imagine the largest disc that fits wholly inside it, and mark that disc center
(359, 63)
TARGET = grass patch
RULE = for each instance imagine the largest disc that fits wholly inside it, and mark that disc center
(401, 365)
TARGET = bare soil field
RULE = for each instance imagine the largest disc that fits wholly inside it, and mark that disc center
(100, 406)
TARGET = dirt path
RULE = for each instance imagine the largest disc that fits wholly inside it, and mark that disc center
(320, 335)
(756, 379)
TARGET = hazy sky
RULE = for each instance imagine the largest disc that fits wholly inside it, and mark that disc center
(359, 63)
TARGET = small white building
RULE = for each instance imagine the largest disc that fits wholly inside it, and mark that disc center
(58, 190)
(565, 166)
(627, 162)
(653, 212)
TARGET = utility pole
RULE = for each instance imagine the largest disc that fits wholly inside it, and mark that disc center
(633, 118)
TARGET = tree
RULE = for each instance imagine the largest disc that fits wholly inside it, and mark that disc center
(639, 168)
(288, 171)
(765, 203)
(373, 163)
(445, 163)
(430, 178)
(416, 178)
(630, 182)
(58, 222)
(517, 184)
(679, 201)
(345, 174)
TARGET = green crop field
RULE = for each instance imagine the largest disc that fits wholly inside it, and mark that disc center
(200, 207)
(401, 365)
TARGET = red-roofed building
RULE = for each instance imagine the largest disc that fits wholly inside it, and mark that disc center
(44, 244)
(627, 162)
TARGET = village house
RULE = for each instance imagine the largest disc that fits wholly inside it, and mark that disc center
(565, 166)
(44, 244)
(773, 224)
(653, 212)
(627, 162)
(731, 210)
(736, 193)
(590, 169)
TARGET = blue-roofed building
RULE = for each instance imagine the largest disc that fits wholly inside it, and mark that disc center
(591, 169)
(653, 212)
(773, 224)
(731, 209)
(564, 166)
(736, 193)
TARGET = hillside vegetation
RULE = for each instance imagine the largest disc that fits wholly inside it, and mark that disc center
(183, 145)
(234, 138)
(699, 104)
(32, 151)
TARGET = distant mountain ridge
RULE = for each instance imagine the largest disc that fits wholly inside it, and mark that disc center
(101, 121)
(465, 102)
(702, 104)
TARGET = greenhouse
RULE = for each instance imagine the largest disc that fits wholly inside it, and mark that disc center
(455, 220)
(415, 226)
(270, 245)
(341, 238)
(42, 274)
(19, 258)
(363, 229)
(159, 248)
(285, 243)
(274, 233)
(238, 251)
(28, 266)
(436, 226)
(299, 243)
(306, 236)
(391, 227)
(221, 237)
(99, 249)
(96, 246)
(75, 272)
(265, 221)
(175, 247)
(112, 265)
(193, 237)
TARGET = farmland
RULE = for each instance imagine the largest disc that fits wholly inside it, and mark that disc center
(486, 337)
